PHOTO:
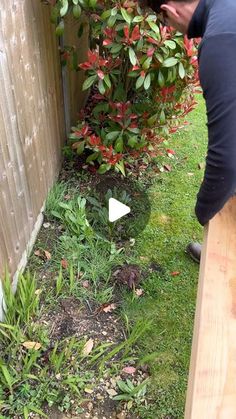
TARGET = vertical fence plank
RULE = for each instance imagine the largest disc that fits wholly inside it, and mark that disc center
(31, 121)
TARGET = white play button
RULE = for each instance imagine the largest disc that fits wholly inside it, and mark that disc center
(117, 210)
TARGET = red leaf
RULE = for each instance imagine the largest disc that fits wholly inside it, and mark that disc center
(169, 151)
(86, 65)
(107, 42)
(135, 36)
(64, 263)
(175, 273)
(150, 52)
(92, 57)
(100, 74)
(167, 167)
(126, 31)
(129, 370)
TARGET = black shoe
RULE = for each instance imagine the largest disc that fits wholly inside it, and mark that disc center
(194, 250)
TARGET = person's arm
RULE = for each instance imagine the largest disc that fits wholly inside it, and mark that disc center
(218, 80)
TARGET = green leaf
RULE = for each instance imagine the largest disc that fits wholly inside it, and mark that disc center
(152, 120)
(162, 117)
(92, 157)
(55, 13)
(89, 81)
(139, 82)
(114, 11)
(138, 19)
(147, 82)
(170, 44)
(126, 16)
(75, 2)
(132, 141)
(124, 397)
(120, 166)
(146, 63)
(60, 28)
(119, 145)
(132, 56)
(39, 411)
(104, 168)
(123, 386)
(101, 87)
(26, 412)
(154, 27)
(100, 107)
(106, 14)
(169, 62)
(64, 8)
(181, 71)
(115, 48)
(7, 376)
(112, 135)
(107, 81)
(161, 80)
(92, 3)
(77, 11)
(80, 148)
(111, 21)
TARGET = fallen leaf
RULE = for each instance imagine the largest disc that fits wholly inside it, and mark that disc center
(85, 284)
(167, 167)
(48, 255)
(32, 345)
(175, 273)
(109, 307)
(169, 151)
(88, 390)
(129, 370)
(190, 174)
(143, 258)
(111, 392)
(67, 197)
(38, 291)
(38, 253)
(64, 263)
(88, 347)
(139, 292)
(46, 225)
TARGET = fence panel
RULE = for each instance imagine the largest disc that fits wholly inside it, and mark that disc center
(31, 122)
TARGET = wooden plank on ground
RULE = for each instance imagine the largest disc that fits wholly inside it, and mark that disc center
(212, 378)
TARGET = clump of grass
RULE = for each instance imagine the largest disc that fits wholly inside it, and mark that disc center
(56, 195)
(35, 371)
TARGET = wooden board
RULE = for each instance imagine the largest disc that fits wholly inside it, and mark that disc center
(212, 378)
(31, 122)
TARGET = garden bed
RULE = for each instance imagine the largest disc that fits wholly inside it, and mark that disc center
(100, 338)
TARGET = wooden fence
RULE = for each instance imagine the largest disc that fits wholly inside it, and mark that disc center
(32, 122)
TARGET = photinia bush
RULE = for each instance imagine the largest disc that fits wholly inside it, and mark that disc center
(142, 78)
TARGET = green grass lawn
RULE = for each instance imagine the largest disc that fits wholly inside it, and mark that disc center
(170, 299)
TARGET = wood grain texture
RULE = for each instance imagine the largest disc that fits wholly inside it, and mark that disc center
(31, 121)
(212, 378)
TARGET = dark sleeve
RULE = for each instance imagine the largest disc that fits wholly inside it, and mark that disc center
(218, 79)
